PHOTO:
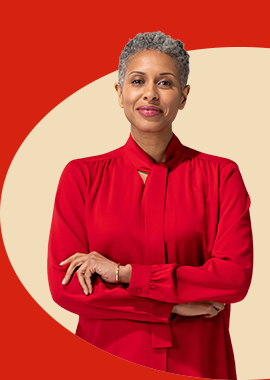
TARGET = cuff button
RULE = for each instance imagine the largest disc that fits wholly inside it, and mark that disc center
(159, 313)
(139, 290)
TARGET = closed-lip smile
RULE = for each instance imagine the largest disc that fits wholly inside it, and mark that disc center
(152, 108)
(149, 111)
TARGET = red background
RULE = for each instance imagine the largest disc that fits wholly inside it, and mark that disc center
(49, 51)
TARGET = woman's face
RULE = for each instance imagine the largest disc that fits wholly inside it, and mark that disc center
(152, 82)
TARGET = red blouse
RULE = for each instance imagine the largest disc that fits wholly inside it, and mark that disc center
(186, 233)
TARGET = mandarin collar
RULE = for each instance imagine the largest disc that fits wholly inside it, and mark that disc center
(142, 161)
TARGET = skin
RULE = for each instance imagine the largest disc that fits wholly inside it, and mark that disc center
(143, 85)
(152, 134)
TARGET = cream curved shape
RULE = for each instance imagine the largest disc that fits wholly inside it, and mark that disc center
(226, 115)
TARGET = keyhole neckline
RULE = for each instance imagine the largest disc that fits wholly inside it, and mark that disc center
(143, 162)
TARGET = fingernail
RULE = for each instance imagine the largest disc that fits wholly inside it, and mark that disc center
(63, 282)
(85, 291)
(61, 263)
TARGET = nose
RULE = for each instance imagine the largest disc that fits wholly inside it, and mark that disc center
(150, 92)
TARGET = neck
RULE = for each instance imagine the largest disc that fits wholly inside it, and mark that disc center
(153, 143)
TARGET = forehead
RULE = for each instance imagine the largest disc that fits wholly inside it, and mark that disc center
(152, 61)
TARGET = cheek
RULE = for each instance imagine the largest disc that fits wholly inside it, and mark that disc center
(131, 92)
(130, 99)
(177, 102)
(172, 104)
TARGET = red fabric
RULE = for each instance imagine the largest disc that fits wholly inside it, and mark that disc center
(186, 233)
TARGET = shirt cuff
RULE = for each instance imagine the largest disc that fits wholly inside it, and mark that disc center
(161, 310)
(139, 286)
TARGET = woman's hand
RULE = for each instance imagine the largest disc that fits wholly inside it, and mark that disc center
(91, 263)
(94, 262)
(206, 308)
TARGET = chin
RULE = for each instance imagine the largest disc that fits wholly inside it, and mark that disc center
(151, 127)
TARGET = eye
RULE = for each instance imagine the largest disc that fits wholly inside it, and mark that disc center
(136, 81)
(166, 83)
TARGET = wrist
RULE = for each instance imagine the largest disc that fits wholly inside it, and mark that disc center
(124, 274)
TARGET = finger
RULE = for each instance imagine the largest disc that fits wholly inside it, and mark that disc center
(72, 267)
(208, 316)
(87, 279)
(212, 312)
(68, 260)
(80, 275)
(218, 306)
(71, 258)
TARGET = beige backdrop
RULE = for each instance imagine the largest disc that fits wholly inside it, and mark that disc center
(227, 114)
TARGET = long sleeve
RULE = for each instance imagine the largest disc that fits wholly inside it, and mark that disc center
(226, 276)
(68, 235)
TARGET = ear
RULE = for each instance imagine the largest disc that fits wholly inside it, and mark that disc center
(120, 95)
(185, 93)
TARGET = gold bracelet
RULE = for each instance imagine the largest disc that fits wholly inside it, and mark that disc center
(117, 274)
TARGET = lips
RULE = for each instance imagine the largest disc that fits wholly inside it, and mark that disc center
(149, 110)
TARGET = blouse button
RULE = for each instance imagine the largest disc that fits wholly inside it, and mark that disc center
(159, 313)
(139, 290)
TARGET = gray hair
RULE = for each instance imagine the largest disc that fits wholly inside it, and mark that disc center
(155, 41)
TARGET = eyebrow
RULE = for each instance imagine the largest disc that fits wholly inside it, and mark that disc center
(140, 72)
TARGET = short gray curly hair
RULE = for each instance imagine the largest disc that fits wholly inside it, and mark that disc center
(155, 41)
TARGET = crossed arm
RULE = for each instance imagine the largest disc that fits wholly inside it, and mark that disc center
(153, 291)
(86, 265)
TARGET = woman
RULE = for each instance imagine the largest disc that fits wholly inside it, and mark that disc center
(159, 234)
